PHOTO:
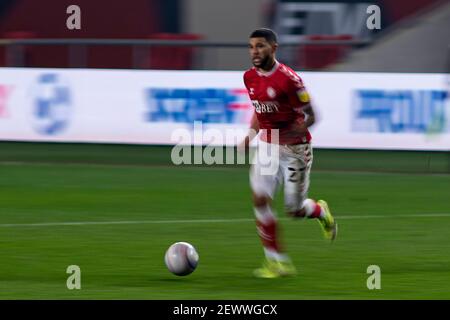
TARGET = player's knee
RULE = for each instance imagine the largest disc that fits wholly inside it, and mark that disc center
(307, 208)
(297, 213)
(260, 201)
(292, 208)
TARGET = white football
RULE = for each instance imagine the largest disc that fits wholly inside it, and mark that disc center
(181, 258)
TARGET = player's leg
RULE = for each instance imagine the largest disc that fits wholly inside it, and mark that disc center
(296, 168)
(264, 187)
(321, 211)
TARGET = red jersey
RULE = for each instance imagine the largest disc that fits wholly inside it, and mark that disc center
(278, 97)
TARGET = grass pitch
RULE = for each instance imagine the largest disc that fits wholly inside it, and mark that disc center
(116, 219)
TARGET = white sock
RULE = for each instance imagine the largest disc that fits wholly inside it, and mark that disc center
(310, 207)
(273, 255)
(264, 214)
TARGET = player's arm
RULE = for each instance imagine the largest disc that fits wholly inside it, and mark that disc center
(310, 117)
(254, 126)
(300, 100)
(307, 109)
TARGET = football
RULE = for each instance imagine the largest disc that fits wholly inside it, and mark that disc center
(181, 258)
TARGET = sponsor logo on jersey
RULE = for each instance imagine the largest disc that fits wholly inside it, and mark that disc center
(265, 107)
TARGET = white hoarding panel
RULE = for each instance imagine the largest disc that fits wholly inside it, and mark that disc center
(355, 110)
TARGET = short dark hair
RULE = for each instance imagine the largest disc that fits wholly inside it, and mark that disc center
(265, 33)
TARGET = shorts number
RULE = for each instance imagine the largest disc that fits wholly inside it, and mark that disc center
(292, 175)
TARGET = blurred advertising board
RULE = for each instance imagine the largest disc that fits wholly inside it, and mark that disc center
(354, 110)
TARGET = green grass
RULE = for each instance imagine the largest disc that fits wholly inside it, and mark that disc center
(384, 220)
(325, 159)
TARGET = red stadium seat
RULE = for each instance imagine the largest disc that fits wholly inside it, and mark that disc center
(320, 56)
(170, 57)
(21, 55)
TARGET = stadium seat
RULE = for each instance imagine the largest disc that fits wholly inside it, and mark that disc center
(170, 57)
(320, 56)
(18, 56)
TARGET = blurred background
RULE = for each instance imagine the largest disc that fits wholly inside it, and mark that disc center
(89, 118)
(413, 36)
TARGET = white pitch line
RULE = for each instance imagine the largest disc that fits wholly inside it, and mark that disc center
(86, 223)
(82, 223)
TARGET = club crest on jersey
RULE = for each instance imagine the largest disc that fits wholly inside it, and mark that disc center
(271, 92)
